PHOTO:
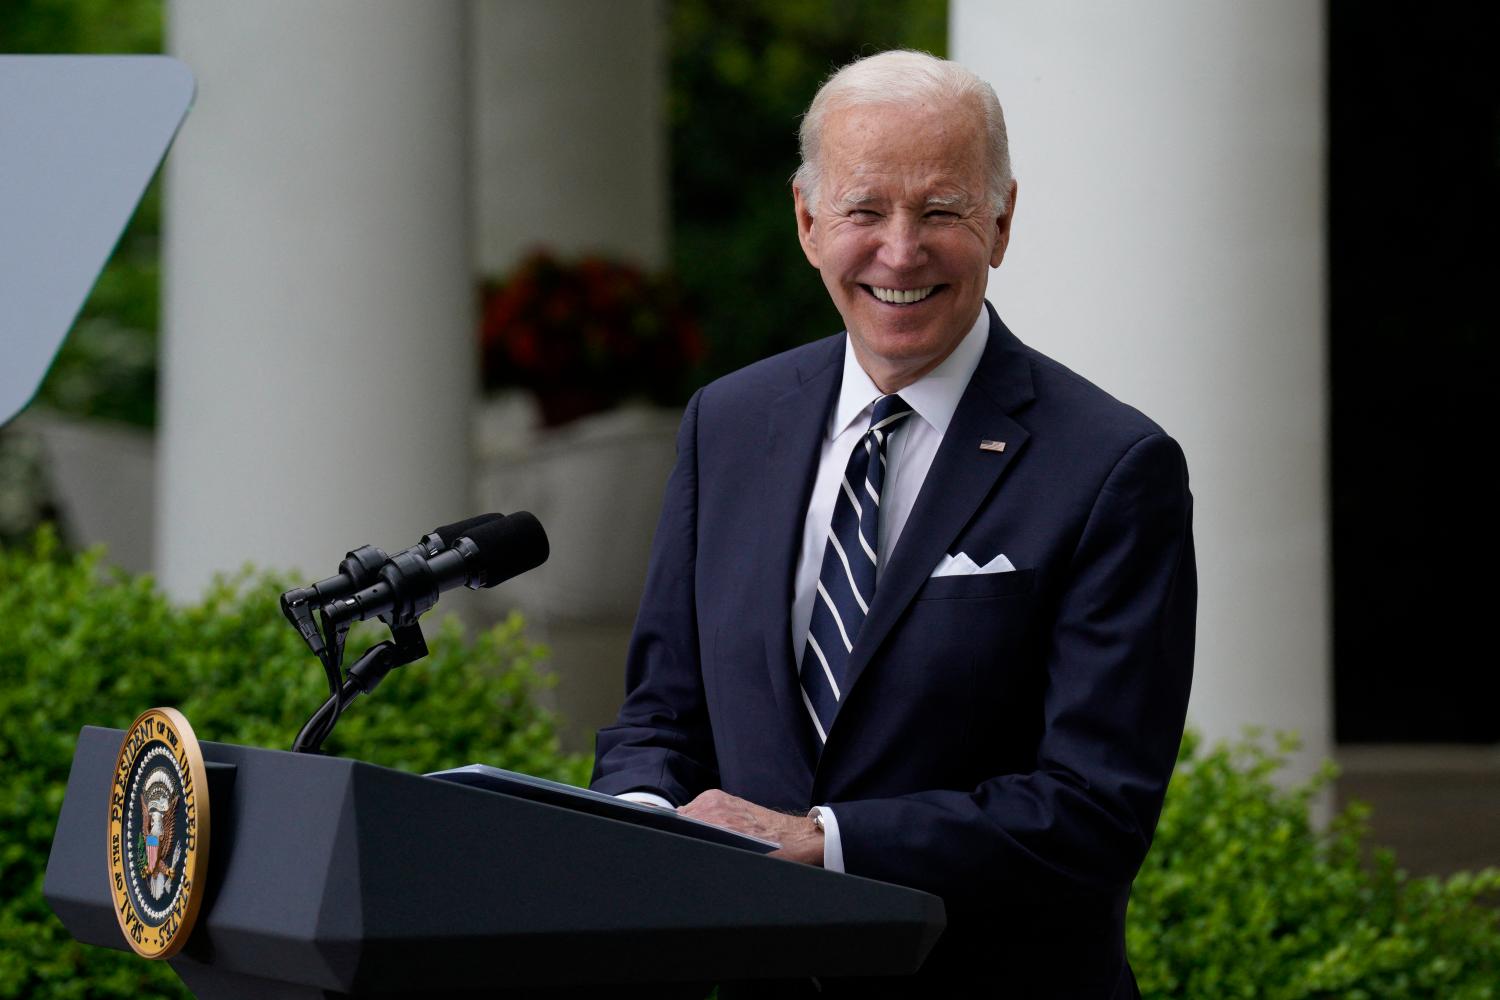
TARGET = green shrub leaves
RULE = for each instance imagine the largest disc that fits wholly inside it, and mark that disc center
(1241, 897)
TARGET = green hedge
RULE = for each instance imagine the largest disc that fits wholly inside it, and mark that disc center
(81, 646)
(1240, 897)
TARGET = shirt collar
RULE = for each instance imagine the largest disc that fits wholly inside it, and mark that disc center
(934, 396)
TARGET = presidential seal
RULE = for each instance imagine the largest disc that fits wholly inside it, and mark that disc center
(158, 832)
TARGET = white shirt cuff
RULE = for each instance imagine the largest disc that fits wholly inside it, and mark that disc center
(647, 799)
(833, 847)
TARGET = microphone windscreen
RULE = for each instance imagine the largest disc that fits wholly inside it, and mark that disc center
(509, 546)
(451, 533)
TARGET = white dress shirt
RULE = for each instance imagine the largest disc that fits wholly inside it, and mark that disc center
(909, 454)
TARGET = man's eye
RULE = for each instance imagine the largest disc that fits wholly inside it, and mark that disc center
(863, 215)
(941, 214)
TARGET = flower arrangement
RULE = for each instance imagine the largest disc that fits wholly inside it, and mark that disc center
(586, 335)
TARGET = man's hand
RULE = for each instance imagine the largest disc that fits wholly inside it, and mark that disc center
(799, 836)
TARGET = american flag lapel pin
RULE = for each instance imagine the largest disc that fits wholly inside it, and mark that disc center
(985, 444)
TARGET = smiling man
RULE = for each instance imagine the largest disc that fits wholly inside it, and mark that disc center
(921, 601)
(895, 210)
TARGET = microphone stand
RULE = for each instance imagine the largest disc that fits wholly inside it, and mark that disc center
(406, 645)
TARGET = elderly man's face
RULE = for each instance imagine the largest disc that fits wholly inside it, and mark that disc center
(904, 233)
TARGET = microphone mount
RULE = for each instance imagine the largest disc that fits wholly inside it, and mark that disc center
(478, 552)
(406, 645)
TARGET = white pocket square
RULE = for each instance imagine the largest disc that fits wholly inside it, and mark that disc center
(962, 565)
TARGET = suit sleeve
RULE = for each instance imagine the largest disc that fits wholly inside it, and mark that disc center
(1118, 659)
(662, 742)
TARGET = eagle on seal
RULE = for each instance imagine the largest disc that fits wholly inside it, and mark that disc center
(158, 818)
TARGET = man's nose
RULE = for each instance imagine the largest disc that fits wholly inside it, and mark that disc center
(902, 248)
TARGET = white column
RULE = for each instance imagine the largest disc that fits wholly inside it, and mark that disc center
(318, 351)
(1169, 246)
(570, 129)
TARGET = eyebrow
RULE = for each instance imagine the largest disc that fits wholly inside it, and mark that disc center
(854, 199)
(946, 200)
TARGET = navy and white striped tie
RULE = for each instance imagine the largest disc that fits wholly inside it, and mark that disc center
(846, 582)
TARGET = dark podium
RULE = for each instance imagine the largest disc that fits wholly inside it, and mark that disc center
(330, 876)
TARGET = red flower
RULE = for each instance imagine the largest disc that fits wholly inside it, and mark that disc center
(592, 330)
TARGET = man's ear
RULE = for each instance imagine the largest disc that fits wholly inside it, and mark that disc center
(805, 232)
(1002, 230)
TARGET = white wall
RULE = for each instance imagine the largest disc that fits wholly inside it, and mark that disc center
(1169, 245)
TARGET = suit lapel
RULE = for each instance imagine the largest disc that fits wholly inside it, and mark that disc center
(961, 477)
(795, 429)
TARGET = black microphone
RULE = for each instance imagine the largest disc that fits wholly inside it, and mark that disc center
(450, 533)
(408, 584)
(360, 569)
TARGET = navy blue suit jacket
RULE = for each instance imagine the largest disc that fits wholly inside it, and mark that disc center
(1005, 740)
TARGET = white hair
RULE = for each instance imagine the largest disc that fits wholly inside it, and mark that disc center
(902, 76)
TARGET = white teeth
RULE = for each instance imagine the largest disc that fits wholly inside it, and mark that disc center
(902, 296)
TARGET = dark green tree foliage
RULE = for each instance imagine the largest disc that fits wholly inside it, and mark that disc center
(95, 27)
(1240, 897)
(107, 366)
(82, 647)
(741, 76)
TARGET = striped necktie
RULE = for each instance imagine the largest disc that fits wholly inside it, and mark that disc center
(846, 582)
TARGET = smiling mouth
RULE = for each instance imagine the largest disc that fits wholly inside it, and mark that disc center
(901, 296)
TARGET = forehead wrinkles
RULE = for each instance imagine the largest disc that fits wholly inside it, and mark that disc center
(900, 152)
(856, 126)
